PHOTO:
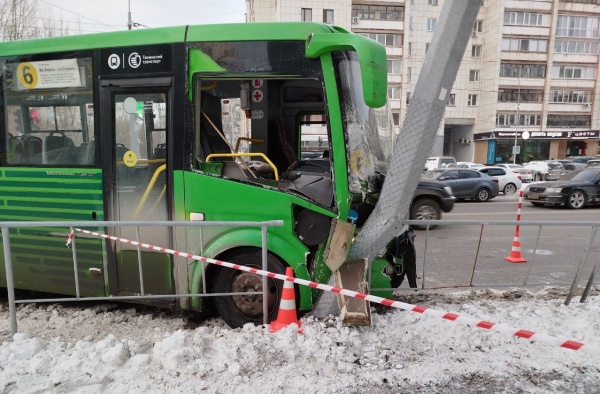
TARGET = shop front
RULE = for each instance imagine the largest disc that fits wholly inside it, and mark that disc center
(498, 147)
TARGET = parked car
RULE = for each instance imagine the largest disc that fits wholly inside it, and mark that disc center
(570, 167)
(508, 181)
(466, 183)
(431, 198)
(575, 190)
(525, 174)
(593, 163)
(545, 170)
(580, 159)
(439, 162)
(469, 164)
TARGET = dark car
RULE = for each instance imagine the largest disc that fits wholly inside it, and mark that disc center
(575, 190)
(431, 198)
(465, 183)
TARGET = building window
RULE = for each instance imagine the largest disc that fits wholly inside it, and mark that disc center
(432, 2)
(523, 70)
(394, 93)
(473, 75)
(451, 102)
(408, 74)
(307, 14)
(409, 48)
(524, 119)
(513, 18)
(571, 96)
(394, 66)
(569, 120)
(520, 95)
(431, 24)
(574, 72)
(575, 46)
(378, 12)
(388, 40)
(524, 45)
(396, 118)
(478, 26)
(426, 47)
(472, 100)
(577, 26)
(328, 16)
(476, 51)
(408, 98)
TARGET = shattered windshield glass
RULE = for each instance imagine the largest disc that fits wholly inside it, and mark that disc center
(369, 131)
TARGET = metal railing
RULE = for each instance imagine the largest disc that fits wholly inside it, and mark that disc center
(461, 224)
(12, 301)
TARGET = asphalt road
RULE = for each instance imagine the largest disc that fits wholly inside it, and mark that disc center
(474, 256)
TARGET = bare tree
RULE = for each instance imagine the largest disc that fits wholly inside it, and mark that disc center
(25, 19)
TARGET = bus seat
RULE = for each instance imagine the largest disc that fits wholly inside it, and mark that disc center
(210, 140)
(32, 149)
(53, 142)
(14, 150)
(87, 153)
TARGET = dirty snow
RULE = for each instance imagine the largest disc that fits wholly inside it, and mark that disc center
(124, 348)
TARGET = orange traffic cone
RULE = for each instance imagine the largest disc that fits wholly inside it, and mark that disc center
(287, 306)
(515, 253)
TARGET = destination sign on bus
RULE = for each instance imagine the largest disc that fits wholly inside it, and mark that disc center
(49, 74)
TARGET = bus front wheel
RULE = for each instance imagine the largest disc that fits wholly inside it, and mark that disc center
(237, 310)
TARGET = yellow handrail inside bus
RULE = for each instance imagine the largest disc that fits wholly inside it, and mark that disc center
(256, 154)
(148, 190)
(145, 161)
(240, 139)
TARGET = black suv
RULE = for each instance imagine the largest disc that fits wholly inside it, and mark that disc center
(431, 198)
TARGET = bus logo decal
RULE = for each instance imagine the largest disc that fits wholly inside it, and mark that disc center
(135, 60)
(114, 61)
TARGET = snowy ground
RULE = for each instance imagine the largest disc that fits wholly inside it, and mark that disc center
(116, 348)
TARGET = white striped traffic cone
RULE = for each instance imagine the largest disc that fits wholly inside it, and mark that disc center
(515, 253)
(287, 306)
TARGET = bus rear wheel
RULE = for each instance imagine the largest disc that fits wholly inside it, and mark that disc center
(237, 310)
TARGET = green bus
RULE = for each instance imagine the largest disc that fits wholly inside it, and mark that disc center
(209, 123)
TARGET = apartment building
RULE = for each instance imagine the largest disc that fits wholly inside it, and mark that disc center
(528, 79)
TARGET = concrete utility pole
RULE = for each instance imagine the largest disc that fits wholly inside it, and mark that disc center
(423, 117)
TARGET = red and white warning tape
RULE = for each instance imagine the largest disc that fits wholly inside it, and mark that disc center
(486, 325)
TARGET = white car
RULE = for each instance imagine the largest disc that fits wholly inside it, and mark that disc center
(545, 170)
(525, 174)
(469, 164)
(508, 181)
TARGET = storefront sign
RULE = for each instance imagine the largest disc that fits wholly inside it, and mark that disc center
(554, 135)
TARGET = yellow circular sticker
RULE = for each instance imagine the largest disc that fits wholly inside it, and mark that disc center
(359, 162)
(27, 74)
(130, 158)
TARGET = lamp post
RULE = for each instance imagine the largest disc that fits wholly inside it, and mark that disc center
(517, 120)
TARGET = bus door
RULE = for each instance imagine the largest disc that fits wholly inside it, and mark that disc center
(137, 180)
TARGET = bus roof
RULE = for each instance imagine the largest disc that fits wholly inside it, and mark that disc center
(164, 35)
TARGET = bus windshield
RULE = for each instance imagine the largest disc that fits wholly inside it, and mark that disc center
(369, 131)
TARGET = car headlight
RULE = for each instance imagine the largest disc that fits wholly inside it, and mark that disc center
(553, 190)
(448, 190)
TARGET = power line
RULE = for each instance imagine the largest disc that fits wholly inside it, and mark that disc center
(79, 15)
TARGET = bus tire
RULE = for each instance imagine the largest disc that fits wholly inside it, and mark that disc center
(239, 310)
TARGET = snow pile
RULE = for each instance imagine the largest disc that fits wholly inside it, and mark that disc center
(117, 348)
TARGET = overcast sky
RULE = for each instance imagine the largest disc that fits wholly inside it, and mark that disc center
(111, 15)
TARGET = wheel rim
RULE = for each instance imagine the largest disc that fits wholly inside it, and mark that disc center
(251, 304)
(483, 195)
(510, 189)
(576, 200)
(426, 212)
